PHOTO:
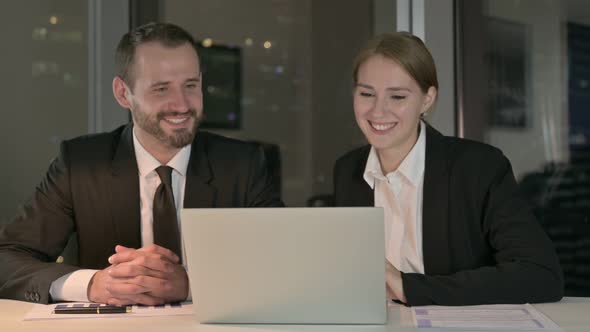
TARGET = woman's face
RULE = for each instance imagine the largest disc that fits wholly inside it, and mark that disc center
(388, 103)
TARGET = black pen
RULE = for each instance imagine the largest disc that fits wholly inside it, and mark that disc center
(109, 309)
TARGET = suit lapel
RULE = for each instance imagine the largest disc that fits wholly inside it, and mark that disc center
(362, 194)
(435, 205)
(199, 192)
(124, 187)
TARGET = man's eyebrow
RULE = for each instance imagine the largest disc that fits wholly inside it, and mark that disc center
(194, 79)
(159, 83)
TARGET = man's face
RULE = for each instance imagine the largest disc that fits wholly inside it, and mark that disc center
(166, 102)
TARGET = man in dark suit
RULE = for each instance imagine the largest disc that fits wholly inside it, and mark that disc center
(120, 192)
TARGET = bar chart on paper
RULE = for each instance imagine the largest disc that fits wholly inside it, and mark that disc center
(45, 312)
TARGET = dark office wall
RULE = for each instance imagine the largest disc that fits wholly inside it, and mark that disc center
(307, 108)
(143, 11)
(339, 30)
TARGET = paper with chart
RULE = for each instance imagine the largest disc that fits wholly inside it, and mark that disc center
(45, 312)
(483, 317)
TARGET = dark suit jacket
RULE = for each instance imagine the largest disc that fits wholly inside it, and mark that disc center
(481, 243)
(92, 188)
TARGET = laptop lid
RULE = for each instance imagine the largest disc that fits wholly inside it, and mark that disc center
(286, 265)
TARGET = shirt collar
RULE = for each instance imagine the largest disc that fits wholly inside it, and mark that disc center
(373, 170)
(412, 167)
(147, 163)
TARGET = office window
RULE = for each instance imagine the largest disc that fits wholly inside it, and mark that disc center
(44, 100)
(525, 87)
(296, 60)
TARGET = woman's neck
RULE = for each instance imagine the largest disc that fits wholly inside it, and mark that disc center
(392, 157)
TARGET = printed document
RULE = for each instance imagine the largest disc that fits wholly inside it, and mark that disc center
(483, 317)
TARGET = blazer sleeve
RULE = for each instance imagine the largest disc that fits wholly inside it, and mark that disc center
(31, 243)
(525, 267)
(262, 189)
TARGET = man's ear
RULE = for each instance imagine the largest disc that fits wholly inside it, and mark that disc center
(121, 92)
(430, 98)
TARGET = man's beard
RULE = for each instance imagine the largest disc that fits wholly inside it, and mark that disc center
(179, 138)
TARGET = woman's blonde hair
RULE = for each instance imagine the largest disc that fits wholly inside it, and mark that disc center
(405, 49)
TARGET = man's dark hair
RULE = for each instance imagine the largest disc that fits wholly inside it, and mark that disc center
(167, 34)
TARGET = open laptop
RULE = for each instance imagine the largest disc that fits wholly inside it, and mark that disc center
(286, 265)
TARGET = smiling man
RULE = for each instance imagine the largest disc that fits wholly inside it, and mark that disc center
(121, 192)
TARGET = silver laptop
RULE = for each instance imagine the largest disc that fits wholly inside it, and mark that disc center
(286, 265)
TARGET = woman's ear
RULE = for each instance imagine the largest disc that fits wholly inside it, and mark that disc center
(121, 92)
(429, 99)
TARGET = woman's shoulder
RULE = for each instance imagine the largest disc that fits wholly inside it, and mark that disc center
(354, 157)
(467, 147)
(457, 148)
(468, 159)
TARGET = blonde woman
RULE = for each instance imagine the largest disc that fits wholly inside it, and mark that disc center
(457, 231)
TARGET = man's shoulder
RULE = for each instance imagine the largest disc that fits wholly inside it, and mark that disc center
(94, 147)
(225, 156)
(97, 139)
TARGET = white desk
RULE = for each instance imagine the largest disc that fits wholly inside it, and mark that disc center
(572, 314)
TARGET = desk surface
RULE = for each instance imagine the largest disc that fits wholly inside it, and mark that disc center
(572, 314)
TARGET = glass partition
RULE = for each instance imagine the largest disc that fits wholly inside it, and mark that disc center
(44, 69)
(525, 81)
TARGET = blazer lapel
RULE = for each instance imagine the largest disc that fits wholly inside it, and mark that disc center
(199, 192)
(435, 205)
(124, 187)
(362, 194)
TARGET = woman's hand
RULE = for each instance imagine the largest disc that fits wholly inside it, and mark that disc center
(393, 279)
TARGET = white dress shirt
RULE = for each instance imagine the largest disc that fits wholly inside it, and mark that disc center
(400, 195)
(73, 286)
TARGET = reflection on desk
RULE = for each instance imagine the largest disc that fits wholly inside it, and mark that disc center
(571, 314)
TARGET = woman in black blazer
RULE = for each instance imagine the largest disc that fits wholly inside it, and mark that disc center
(457, 230)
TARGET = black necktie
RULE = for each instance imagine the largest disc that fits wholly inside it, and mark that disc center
(165, 227)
